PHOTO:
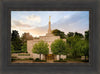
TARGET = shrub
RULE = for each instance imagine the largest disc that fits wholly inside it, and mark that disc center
(31, 59)
(13, 59)
(23, 54)
(37, 60)
(43, 60)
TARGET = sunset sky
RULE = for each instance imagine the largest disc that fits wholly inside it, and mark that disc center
(36, 22)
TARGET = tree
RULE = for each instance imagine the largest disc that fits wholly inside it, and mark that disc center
(40, 48)
(16, 41)
(70, 34)
(24, 48)
(58, 47)
(25, 37)
(12, 48)
(79, 44)
(73, 43)
(78, 35)
(84, 48)
(87, 35)
(57, 32)
(76, 49)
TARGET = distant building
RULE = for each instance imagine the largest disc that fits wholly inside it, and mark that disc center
(49, 38)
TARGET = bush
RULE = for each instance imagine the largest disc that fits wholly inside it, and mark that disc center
(13, 59)
(43, 60)
(85, 60)
(38, 60)
(31, 59)
(16, 51)
(26, 59)
(61, 60)
(23, 54)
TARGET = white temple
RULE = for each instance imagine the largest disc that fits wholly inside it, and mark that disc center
(49, 38)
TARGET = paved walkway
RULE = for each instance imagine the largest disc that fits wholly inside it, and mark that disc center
(48, 61)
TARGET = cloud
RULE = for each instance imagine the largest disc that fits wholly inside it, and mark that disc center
(67, 16)
(16, 23)
(34, 18)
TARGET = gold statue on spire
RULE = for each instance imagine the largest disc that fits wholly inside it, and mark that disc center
(49, 29)
(49, 18)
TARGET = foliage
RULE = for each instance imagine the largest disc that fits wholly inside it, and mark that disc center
(70, 34)
(40, 48)
(87, 35)
(25, 37)
(16, 41)
(38, 60)
(24, 54)
(24, 48)
(77, 45)
(57, 32)
(58, 47)
(14, 59)
(79, 35)
(12, 48)
(85, 48)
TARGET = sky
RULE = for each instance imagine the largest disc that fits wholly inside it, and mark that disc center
(36, 22)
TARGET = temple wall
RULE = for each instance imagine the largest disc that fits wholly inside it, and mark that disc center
(49, 38)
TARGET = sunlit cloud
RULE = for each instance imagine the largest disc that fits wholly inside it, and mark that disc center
(34, 18)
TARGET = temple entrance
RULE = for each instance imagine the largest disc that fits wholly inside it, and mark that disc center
(50, 58)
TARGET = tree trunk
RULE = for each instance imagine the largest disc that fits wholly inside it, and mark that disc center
(40, 56)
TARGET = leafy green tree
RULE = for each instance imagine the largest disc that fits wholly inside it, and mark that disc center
(58, 47)
(40, 48)
(84, 46)
(76, 49)
(57, 32)
(24, 48)
(16, 41)
(73, 43)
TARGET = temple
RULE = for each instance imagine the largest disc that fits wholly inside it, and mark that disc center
(49, 38)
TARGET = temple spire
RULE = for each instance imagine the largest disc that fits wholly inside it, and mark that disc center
(49, 29)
